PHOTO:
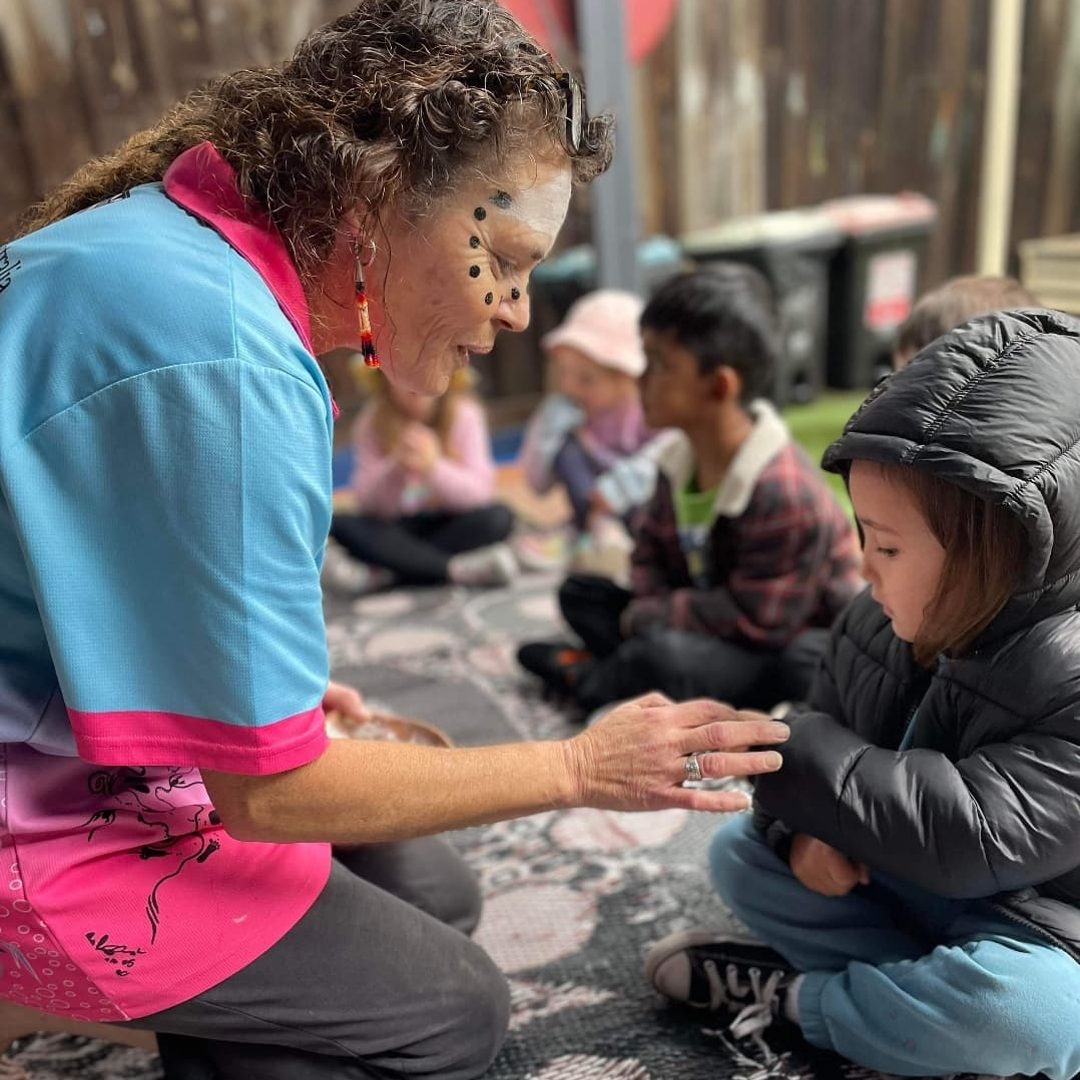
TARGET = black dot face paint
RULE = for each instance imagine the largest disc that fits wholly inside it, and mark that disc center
(503, 201)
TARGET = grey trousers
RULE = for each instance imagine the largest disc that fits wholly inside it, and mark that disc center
(377, 980)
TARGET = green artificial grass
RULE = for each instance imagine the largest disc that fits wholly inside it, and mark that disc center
(815, 425)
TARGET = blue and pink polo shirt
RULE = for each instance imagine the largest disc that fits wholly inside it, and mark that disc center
(165, 446)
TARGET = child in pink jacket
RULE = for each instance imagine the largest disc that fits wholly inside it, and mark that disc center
(424, 484)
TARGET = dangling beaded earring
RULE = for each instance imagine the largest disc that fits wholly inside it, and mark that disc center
(367, 340)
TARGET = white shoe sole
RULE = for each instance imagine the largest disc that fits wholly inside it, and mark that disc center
(667, 947)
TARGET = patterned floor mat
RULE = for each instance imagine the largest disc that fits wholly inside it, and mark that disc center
(573, 899)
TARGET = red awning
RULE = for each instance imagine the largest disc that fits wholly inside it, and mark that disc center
(551, 22)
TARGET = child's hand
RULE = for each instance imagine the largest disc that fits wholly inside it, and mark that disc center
(598, 505)
(823, 869)
(642, 613)
(418, 449)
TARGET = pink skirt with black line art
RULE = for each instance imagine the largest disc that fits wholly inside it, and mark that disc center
(120, 892)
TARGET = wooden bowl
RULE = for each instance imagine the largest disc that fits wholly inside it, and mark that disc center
(385, 727)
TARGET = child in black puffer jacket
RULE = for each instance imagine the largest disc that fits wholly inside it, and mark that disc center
(915, 865)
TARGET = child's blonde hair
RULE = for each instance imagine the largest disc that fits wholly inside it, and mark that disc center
(985, 549)
(952, 304)
(389, 421)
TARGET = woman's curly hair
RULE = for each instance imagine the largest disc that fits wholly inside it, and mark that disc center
(396, 103)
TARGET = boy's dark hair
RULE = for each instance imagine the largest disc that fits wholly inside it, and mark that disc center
(952, 304)
(725, 316)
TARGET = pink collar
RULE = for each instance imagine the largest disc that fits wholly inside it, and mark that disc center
(204, 183)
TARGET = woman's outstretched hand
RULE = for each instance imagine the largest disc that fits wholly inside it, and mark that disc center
(371, 791)
(635, 758)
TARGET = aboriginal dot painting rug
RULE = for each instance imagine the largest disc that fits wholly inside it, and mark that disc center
(573, 898)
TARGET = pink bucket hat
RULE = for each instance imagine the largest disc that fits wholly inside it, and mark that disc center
(604, 326)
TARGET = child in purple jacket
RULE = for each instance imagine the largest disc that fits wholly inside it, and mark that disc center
(590, 436)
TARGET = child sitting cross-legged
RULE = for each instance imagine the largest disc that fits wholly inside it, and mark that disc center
(423, 487)
(589, 436)
(742, 556)
(912, 873)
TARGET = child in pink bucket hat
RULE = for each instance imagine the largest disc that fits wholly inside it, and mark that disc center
(590, 436)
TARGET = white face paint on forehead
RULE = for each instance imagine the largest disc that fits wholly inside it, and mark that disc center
(540, 205)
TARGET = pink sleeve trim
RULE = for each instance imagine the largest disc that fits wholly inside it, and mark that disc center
(161, 738)
(204, 183)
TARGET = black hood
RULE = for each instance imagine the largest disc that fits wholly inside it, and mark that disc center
(993, 407)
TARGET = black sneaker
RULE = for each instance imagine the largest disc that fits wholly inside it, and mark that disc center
(560, 666)
(718, 971)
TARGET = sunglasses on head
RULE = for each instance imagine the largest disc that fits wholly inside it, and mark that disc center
(575, 110)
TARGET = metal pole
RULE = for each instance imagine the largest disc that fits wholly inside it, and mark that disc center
(601, 32)
(999, 135)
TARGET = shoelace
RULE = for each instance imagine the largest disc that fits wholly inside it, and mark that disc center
(759, 1014)
(756, 1015)
(728, 989)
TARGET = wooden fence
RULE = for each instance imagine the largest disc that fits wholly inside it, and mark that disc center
(752, 105)
(78, 76)
(746, 105)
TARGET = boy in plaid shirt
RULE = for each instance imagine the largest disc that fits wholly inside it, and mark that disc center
(743, 556)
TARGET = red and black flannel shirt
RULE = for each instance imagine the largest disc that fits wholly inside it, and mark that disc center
(789, 562)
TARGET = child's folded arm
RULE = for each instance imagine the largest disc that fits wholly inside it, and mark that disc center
(823, 696)
(644, 612)
(368, 486)
(372, 468)
(457, 486)
(602, 456)
(965, 829)
(739, 612)
(545, 434)
(631, 480)
(467, 479)
(776, 832)
(775, 586)
(627, 483)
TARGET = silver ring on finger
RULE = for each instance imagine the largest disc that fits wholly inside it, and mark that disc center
(692, 768)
